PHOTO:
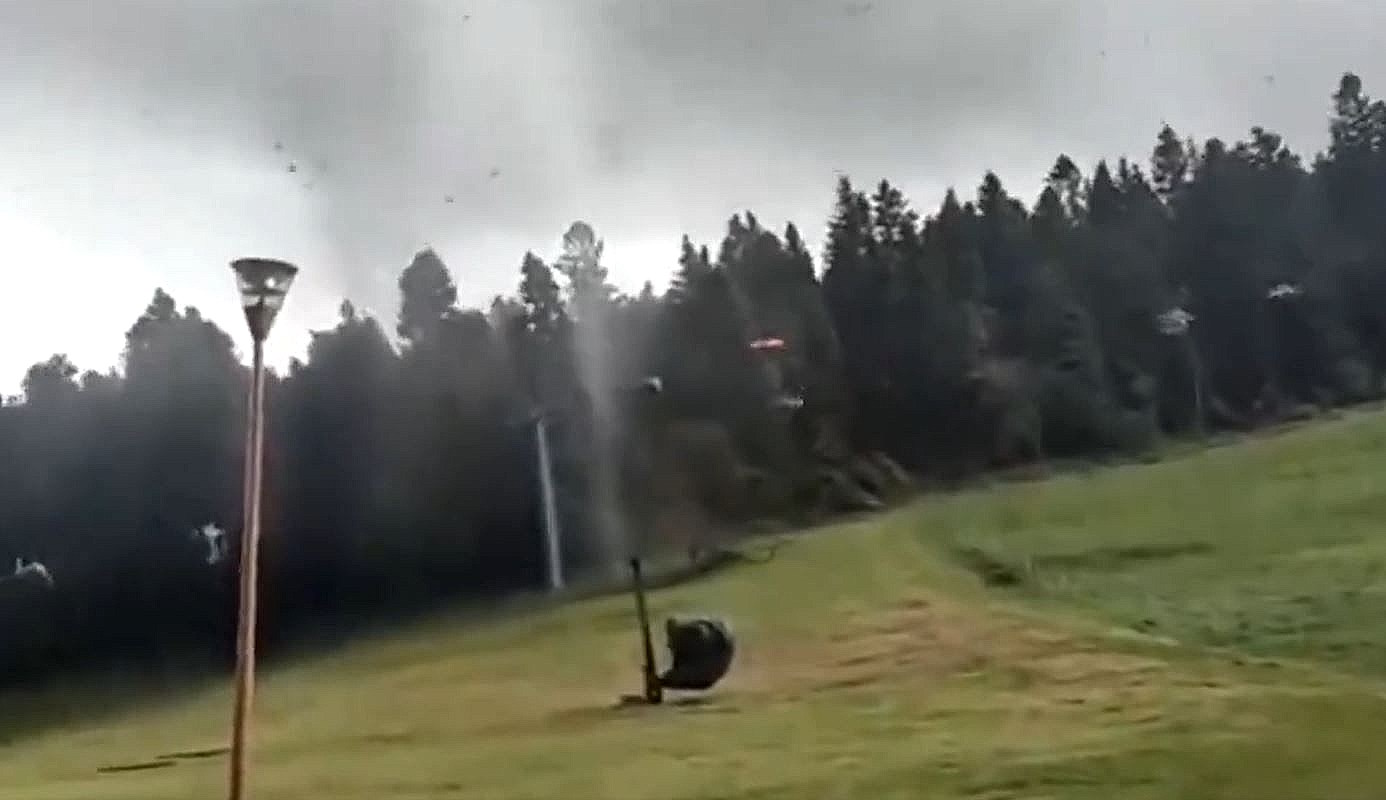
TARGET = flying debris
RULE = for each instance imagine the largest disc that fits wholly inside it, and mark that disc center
(857, 9)
(278, 146)
(447, 198)
(1174, 321)
(495, 173)
(214, 539)
(293, 167)
(31, 570)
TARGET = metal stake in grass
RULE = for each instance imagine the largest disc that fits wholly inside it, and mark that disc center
(263, 284)
(653, 691)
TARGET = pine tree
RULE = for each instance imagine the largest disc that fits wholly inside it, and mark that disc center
(581, 264)
(856, 290)
(953, 235)
(541, 296)
(1104, 201)
(693, 268)
(1005, 248)
(1170, 164)
(798, 262)
(1051, 227)
(427, 295)
(1067, 182)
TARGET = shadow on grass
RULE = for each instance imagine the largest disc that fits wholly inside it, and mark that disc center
(998, 571)
(140, 767)
(98, 693)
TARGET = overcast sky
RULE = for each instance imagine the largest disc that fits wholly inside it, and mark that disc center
(147, 143)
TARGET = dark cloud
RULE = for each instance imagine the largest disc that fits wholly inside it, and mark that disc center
(533, 112)
(476, 125)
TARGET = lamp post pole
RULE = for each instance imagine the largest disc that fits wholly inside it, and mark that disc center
(1278, 297)
(246, 614)
(1176, 322)
(263, 285)
(1196, 362)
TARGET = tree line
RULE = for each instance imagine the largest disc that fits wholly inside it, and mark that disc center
(1219, 285)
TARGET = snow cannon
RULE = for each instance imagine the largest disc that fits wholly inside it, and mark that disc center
(701, 649)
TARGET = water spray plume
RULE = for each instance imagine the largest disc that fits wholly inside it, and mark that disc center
(591, 300)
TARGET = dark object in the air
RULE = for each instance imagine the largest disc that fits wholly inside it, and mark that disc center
(701, 650)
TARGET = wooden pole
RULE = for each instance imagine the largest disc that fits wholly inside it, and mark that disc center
(249, 563)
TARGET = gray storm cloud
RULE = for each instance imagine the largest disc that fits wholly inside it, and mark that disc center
(448, 121)
(409, 122)
(397, 119)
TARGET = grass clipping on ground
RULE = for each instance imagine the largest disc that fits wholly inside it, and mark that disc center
(1206, 627)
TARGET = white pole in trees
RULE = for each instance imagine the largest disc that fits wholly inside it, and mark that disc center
(553, 546)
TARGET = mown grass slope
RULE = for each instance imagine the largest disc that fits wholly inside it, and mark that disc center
(1205, 627)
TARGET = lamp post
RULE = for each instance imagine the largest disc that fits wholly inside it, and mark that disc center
(1278, 297)
(1176, 322)
(263, 284)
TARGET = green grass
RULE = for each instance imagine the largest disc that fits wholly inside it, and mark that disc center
(1205, 627)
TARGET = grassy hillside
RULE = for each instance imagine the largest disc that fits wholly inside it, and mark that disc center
(1206, 627)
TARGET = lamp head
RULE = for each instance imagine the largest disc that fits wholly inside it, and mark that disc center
(263, 284)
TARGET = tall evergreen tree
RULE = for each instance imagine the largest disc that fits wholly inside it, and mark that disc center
(427, 295)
